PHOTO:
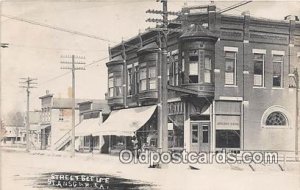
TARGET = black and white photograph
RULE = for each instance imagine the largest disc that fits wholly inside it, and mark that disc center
(149, 94)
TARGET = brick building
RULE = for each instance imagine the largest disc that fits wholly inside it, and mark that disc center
(228, 83)
(56, 121)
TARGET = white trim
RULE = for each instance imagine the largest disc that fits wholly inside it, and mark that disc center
(174, 52)
(234, 49)
(277, 88)
(246, 72)
(217, 70)
(259, 87)
(129, 66)
(276, 52)
(272, 109)
(230, 85)
(260, 51)
(245, 103)
(246, 41)
(298, 54)
(231, 98)
(291, 45)
(135, 64)
(174, 100)
(200, 121)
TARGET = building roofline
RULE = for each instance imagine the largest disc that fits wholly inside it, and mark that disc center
(45, 96)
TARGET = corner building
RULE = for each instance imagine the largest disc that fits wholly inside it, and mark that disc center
(229, 84)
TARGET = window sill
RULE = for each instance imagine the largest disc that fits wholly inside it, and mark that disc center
(276, 127)
(232, 86)
(263, 87)
(277, 88)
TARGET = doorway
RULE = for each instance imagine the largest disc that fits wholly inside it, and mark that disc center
(200, 136)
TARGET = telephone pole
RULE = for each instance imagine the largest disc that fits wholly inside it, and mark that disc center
(27, 83)
(162, 84)
(297, 114)
(73, 68)
(295, 77)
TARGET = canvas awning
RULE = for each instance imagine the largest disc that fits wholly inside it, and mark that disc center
(125, 122)
(87, 127)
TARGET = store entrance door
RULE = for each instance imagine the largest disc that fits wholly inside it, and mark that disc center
(200, 136)
(204, 129)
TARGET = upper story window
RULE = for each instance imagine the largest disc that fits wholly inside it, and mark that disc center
(193, 66)
(114, 85)
(147, 77)
(207, 69)
(259, 69)
(135, 79)
(230, 67)
(173, 69)
(277, 70)
(143, 79)
(152, 78)
(111, 85)
(129, 81)
(118, 85)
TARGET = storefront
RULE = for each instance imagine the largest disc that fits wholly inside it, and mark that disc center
(124, 124)
(84, 132)
(228, 126)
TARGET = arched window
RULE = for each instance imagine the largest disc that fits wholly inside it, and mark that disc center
(276, 118)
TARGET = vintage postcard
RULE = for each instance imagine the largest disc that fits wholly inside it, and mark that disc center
(149, 94)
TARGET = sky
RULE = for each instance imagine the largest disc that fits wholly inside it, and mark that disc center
(36, 51)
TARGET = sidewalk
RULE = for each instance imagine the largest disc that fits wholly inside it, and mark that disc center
(114, 159)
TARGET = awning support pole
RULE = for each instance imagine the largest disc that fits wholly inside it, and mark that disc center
(109, 143)
(125, 142)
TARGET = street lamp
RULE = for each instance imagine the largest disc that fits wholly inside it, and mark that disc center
(295, 77)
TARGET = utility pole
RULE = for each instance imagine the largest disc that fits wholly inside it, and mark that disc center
(27, 83)
(164, 92)
(297, 113)
(163, 65)
(73, 68)
(295, 77)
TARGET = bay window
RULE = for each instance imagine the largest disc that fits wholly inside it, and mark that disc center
(118, 86)
(111, 85)
(152, 78)
(207, 69)
(129, 81)
(193, 66)
(143, 79)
